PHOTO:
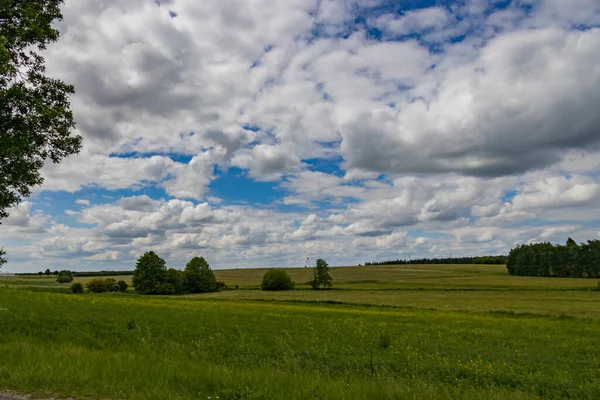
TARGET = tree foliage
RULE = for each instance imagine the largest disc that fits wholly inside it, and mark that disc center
(64, 277)
(103, 285)
(546, 259)
(150, 274)
(321, 277)
(36, 122)
(35, 119)
(122, 286)
(496, 260)
(276, 279)
(77, 288)
(200, 278)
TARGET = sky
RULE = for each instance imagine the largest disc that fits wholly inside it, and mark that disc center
(257, 133)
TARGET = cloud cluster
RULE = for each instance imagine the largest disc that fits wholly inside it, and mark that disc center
(445, 127)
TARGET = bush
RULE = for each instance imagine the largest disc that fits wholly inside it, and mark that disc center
(64, 277)
(77, 287)
(199, 277)
(122, 286)
(276, 279)
(97, 286)
(221, 285)
(111, 285)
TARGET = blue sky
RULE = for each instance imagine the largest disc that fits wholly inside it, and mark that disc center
(260, 133)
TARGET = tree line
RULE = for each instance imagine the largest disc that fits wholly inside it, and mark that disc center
(571, 260)
(491, 260)
(151, 276)
(78, 273)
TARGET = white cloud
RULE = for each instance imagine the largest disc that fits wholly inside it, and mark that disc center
(432, 133)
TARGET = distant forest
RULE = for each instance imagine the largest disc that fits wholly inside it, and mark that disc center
(496, 260)
(546, 259)
(81, 273)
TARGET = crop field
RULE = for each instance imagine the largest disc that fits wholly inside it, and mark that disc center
(385, 332)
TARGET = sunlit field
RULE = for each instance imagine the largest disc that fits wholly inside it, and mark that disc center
(427, 331)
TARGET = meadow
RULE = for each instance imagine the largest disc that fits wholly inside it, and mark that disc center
(385, 332)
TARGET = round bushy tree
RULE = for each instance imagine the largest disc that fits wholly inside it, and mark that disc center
(122, 286)
(150, 274)
(77, 287)
(199, 277)
(97, 285)
(276, 279)
(64, 277)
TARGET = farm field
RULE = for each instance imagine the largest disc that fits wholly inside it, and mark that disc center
(119, 346)
(418, 331)
(445, 287)
(450, 277)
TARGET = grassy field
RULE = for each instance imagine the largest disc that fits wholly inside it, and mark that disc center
(445, 287)
(386, 332)
(126, 346)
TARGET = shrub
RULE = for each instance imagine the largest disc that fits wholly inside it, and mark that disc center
(199, 277)
(276, 279)
(77, 287)
(64, 277)
(111, 285)
(221, 285)
(97, 286)
(122, 286)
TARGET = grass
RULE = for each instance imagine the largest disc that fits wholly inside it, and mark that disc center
(450, 331)
(548, 302)
(123, 346)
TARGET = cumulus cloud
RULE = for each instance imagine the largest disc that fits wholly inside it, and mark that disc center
(435, 130)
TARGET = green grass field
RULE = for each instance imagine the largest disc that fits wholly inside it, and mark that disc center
(423, 332)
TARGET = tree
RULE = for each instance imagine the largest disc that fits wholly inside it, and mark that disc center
(47, 272)
(176, 282)
(149, 276)
(36, 122)
(2, 260)
(321, 275)
(64, 277)
(276, 279)
(200, 278)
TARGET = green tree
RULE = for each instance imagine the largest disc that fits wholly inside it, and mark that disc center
(150, 274)
(276, 279)
(36, 122)
(64, 277)
(321, 275)
(47, 272)
(176, 282)
(200, 278)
